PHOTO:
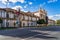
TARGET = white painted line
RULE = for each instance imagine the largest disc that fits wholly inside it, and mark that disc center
(49, 32)
(22, 39)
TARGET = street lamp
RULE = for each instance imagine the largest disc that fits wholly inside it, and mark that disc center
(18, 18)
(7, 15)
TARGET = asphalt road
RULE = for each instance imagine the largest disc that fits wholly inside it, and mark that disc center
(45, 33)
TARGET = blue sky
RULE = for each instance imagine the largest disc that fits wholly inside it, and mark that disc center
(51, 6)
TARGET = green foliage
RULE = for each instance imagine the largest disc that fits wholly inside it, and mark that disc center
(41, 21)
(58, 21)
(1, 20)
(46, 19)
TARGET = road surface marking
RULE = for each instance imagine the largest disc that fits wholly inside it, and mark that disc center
(22, 39)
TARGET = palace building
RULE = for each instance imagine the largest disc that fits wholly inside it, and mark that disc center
(8, 17)
(28, 19)
(31, 18)
(11, 19)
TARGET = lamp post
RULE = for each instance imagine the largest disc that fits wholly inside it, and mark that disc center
(7, 15)
(46, 20)
(18, 18)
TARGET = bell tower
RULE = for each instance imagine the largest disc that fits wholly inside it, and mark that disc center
(40, 12)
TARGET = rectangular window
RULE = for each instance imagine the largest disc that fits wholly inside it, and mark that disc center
(37, 19)
(23, 17)
(30, 18)
(23, 24)
(0, 14)
(34, 19)
(28, 24)
(14, 16)
(41, 15)
(7, 15)
(11, 15)
(31, 24)
(3, 14)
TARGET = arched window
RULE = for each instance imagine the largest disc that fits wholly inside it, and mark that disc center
(7, 15)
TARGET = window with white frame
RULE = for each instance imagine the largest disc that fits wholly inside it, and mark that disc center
(11, 15)
(0, 13)
(23, 24)
(23, 17)
(29, 18)
(34, 19)
(26, 17)
(7, 15)
(3, 14)
(37, 18)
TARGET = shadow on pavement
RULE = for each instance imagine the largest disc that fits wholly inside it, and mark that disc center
(45, 37)
(50, 28)
(25, 33)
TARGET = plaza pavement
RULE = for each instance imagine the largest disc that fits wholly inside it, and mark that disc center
(43, 33)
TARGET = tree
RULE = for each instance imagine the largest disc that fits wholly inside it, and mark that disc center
(14, 24)
(41, 21)
(58, 21)
(1, 21)
(46, 19)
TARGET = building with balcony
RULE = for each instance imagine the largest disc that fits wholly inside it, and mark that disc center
(51, 22)
(8, 17)
(31, 18)
(41, 13)
(28, 19)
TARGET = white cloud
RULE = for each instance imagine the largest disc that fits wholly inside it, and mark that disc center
(50, 1)
(25, 6)
(54, 17)
(30, 3)
(17, 7)
(25, 11)
(3, 1)
(13, 1)
(41, 5)
(22, 1)
(51, 16)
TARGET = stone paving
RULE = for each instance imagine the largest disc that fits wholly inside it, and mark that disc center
(45, 33)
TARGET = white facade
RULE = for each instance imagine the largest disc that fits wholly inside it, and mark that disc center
(2, 14)
(37, 14)
(28, 20)
(10, 19)
(51, 22)
(11, 15)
